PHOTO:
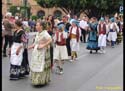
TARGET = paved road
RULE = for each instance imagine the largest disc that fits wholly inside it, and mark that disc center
(92, 72)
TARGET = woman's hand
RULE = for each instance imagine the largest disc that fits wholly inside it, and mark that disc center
(30, 47)
(40, 46)
(18, 51)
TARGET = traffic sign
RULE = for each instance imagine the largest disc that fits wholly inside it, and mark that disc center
(121, 9)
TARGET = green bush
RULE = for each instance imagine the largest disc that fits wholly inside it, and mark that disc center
(13, 10)
(34, 17)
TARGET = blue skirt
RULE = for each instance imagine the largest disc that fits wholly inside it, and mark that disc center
(92, 43)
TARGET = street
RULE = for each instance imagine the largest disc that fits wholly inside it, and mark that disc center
(92, 72)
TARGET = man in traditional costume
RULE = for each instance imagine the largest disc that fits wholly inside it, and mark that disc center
(74, 33)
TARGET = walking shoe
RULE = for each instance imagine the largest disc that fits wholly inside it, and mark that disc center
(14, 77)
(100, 51)
(26, 73)
(71, 60)
(91, 52)
(61, 71)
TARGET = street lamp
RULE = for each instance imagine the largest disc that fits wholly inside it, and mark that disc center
(25, 6)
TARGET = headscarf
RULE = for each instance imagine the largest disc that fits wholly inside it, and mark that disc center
(112, 19)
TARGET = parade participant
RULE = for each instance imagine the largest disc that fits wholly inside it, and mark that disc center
(119, 34)
(7, 34)
(66, 29)
(16, 55)
(83, 25)
(3, 29)
(107, 23)
(40, 65)
(50, 27)
(74, 34)
(92, 43)
(112, 36)
(101, 28)
(25, 63)
(67, 25)
(60, 50)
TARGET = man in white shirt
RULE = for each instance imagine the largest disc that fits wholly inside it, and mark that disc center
(83, 25)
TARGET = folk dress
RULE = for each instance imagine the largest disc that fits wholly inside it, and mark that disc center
(40, 65)
(92, 43)
(16, 60)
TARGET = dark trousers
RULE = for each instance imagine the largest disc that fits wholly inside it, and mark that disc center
(51, 54)
(8, 40)
(68, 46)
(83, 35)
(112, 43)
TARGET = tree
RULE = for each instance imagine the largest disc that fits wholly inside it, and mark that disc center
(95, 8)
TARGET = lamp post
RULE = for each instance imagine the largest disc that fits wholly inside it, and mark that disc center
(25, 7)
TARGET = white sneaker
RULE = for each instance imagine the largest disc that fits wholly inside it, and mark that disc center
(100, 51)
(61, 72)
(71, 60)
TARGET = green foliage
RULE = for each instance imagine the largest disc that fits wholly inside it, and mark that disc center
(93, 7)
(34, 17)
(13, 10)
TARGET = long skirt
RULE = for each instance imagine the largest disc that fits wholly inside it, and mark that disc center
(92, 43)
(25, 64)
(42, 78)
(15, 62)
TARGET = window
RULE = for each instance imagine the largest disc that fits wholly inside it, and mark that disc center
(8, 1)
(57, 13)
(24, 2)
(40, 13)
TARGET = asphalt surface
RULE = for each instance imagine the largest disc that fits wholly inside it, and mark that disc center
(91, 72)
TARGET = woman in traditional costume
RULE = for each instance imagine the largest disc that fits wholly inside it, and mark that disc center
(92, 43)
(40, 65)
(17, 49)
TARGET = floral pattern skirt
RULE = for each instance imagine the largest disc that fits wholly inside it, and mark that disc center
(42, 78)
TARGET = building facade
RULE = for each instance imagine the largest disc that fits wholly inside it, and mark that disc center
(35, 9)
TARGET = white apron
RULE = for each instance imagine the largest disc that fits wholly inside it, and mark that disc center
(16, 59)
(37, 59)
